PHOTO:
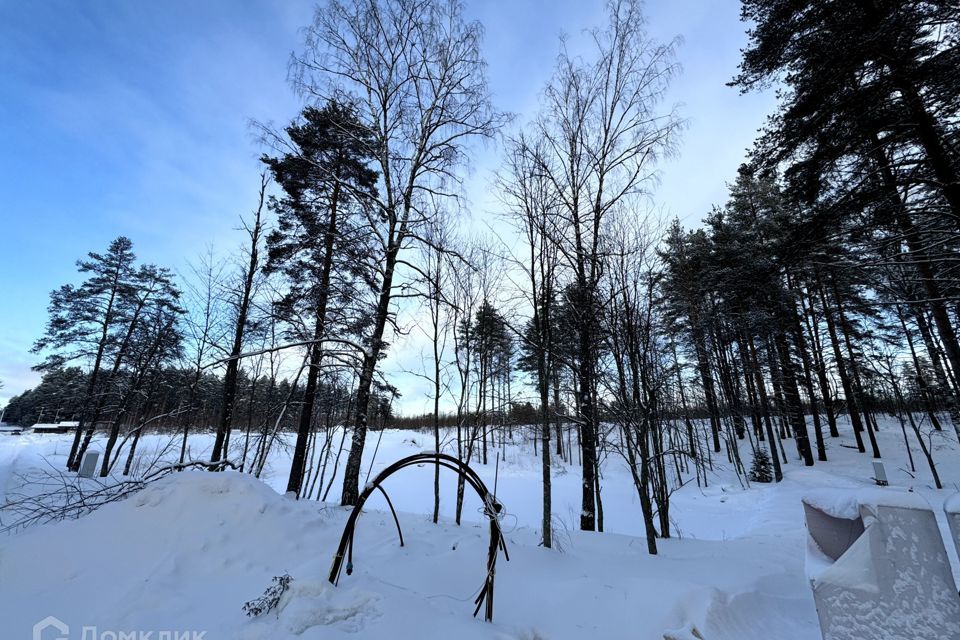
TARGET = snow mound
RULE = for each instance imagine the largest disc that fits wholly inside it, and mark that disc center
(187, 552)
(192, 547)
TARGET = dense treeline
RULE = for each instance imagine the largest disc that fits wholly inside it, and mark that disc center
(823, 294)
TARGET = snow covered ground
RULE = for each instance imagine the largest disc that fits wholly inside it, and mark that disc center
(186, 553)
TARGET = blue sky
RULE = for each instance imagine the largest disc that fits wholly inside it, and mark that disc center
(132, 117)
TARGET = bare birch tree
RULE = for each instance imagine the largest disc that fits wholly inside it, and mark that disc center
(243, 295)
(603, 133)
(414, 71)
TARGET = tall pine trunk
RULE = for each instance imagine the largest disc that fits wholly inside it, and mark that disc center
(305, 422)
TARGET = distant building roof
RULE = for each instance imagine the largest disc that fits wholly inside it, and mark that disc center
(49, 427)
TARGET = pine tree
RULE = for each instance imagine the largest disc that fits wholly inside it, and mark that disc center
(869, 125)
(684, 289)
(328, 190)
(761, 469)
(85, 323)
(152, 339)
(889, 65)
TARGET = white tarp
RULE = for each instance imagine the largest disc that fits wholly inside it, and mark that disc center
(878, 568)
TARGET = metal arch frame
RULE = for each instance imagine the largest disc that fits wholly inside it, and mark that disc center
(491, 509)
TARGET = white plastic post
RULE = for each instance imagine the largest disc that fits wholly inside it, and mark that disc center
(879, 473)
(88, 465)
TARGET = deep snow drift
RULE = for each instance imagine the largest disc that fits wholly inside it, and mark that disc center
(188, 551)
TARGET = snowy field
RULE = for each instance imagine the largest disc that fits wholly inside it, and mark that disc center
(186, 553)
